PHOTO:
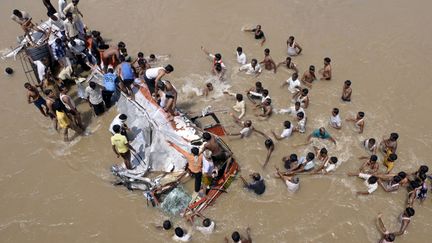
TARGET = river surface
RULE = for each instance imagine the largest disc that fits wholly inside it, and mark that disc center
(53, 191)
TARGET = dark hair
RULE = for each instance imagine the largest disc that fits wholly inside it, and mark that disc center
(310, 156)
(297, 103)
(311, 68)
(394, 136)
(372, 140)
(293, 158)
(402, 174)
(422, 176)
(218, 67)
(268, 142)
(266, 50)
(423, 169)
(410, 211)
(121, 58)
(254, 60)
(372, 179)
(27, 84)
(265, 92)
(288, 59)
(373, 158)
(206, 136)
(305, 91)
(248, 123)
(47, 92)
(361, 114)
(235, 236)
(169, 68)
(195, 151)
(336, 110)
(116, 128)
(9, 70)
(239, 97)
(323, 151)
(152, 56)
(110, 70)
(140, 54)
(392, 157)
(268, 100)
(121, 44)
(17, 13)
(348, 82)
(218, 56)
(396, 178)
(92, 85)
(258, 84)
(327, 59)
(179, 232)
(206, 222)
(239, 49)
(300, 114)
(123, 117)
(167, 225)
(295, 76)
(390, 237)
(256, 176)
(287, 124)
(333, 160)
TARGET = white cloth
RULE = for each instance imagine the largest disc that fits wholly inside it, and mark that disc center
(241, 58)
(94, 95)
(185, 238)
(214, 61)
(292, 187)
(250, 70)
(206, 230)
(301, 125)
(40, 69)
(293, 84)
(370, 187)
(246, 132)
(152, 73)
(78, 48)
(240, 106)
(61, 6)
(335, 121)
(286, 132)
(59, 24)
(293, 111)
(115, 121)
(329, 167)
(207, 165)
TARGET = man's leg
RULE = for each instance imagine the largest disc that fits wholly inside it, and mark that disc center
(126, 158)
(198, 178)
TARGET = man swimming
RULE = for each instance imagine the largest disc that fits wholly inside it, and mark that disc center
(268, 62)
(257, 185)
(258, 34)
(286, 132)
(322, 134)
(266, 108)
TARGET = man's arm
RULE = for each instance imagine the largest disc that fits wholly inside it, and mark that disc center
(332, 139)
(277, 137)
(281, 63)
(205, 51)
(160, 75)
(264, 40)
(380, 223)
(180, 150)
(299, 48)
(115, 150)
(403, 227)
(269, 152)
(274, 65)
(363, 193)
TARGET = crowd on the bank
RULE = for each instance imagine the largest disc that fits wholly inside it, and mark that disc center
(75, 50)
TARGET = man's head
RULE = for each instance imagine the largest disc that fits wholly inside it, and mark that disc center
(335, 111)
(322, 130)
(297, 105)
(254, 62)
(305, 91)
(394, 136)
(152, 57)
(291, 39)
(121, 45)
(218, 56)
(293, 158)
(179, 232)
(372, 141)
(27, 86)
(58, 41)
(17, 13)
(258, 27)
(287, 124)
(123, 117)
(140, 55)
(110, 70)
(168, 68)
(295, 180)
(218, 67)
(300, 115)
(294, 76)
(206, 136)
(347, 83)
(372, 180)
(267, 102)
(235, 236)
(116, 128)
(266, 51)
(206, 222)
(239, 97)
(396, 179)
(327, 60)
(423, 169)
(92, 85)
(195, 151)
(256, 176)
(392, 158)
(409, 212)
(239, 50)
(268, 143)
(360, 115)
(265, 92)
(75, 2)
(258, 84)
(402, 175)
(49, 93)
(333, 160)
(310, 156)
(323, 152)
(9, 71)
(390, 237)
(373, 158)
(311, 68)
(167, 225)
(248, 123)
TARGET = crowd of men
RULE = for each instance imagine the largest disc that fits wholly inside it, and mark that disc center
(75, 51)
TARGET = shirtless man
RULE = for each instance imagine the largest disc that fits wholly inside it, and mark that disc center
(358, 121)
(309, 76)
(170, 96)
(268, 62)
(267, 109)
(294, 48)
(238, 239)
(110, 56)
(258, 33)
(288, 63)
(386, 236)
(389, 144)
(50, 99)
(70, 107)
(207, 89)
(255, 92)
(346, 91)
(326, 71)
(211, 144)
(405, 219)
(370, 166)
(34, 97)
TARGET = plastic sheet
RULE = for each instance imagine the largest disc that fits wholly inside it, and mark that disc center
(176, 201)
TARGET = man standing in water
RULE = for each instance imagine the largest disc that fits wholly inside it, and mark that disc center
(241, 56)
(288, 63)
(93, 95)
(252, 68)
(268, 62)
(121, 147)
(346, 91)
(294, 48)
(257, 185)
(326, 71)
(70, 107)
(235, 236)
(309, 76)
(258, 33)
(34, 97)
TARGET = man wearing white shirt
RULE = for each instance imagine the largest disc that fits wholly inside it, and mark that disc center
(371, 182)
(292, 183)
(77, 46)
(287, 131)
(293, 110)
(208, 226)
(241, 56)
(181, 236)
(335, 120)
(293, 83)
(240, 105)
(61, 6)
(252, 68)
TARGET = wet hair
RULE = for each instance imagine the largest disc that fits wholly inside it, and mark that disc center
(265, 92)
(206, 136)
(140, 55)
(372, 140)
(239, 49)
(235, 236)
(409, 211)
(310, 156)
(256, 176)
(179, 232)
(169, 68)
(9, 70)
(295, 180)
(116, 128)
(121, 45)
(305, 91)
(208, 85)
(335, 110)
(47, 92)
(392, 157)
(110, 70)
(239, 97)
(311, 68)
(248, 123)
(166, 225)
(92, 85)
(254, 61)
(194, 150)
(423, 169)
(297, 103)
(361, 114)
(268, 100)
(122, 58)
(390, 237)
(123, 117)
(333, 160)
(206, 222)
(267, 51)
(300, 114)
(218, 67)
(268, 143)
(258, 84)
(402, 174)
(422, 177)
(372, 180)
(394, 136)
(287, 124)
(288, 59)
(152, 56)
(218, 56)
(327, 59)
(17, 13)
(396, 179)
(323, 151)
(348, 82)
(373, 158)
(27, 85)
(295, 76)
(293, 158)
(291, 38)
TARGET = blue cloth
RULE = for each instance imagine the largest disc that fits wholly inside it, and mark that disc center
(127, 72)
(58, 51)
(110, 81)
(316, 133)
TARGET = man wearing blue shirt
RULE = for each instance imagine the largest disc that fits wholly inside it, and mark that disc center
(109, 81)
(321, 133)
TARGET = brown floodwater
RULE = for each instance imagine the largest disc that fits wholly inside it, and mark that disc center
(53, 191)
